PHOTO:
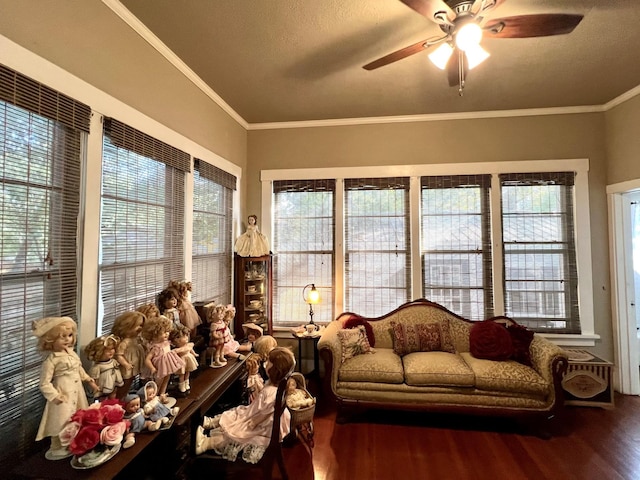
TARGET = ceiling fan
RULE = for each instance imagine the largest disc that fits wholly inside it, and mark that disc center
(463, 24)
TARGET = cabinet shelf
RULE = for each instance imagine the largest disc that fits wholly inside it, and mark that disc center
(253, 282)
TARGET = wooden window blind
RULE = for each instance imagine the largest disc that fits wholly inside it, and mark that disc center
(212, 233)
(141, 219)
(456, 244)
(41, 135)
(378, 246)
(540, 273)
(304, 233)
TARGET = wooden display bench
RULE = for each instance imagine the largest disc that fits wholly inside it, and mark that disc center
(162, 454)
(588, 381)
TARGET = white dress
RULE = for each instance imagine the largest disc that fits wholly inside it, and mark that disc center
(61, 374)
(252, 243)
(251, 442)
(107, 375)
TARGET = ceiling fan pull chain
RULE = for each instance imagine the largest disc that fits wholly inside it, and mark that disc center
(460, 71)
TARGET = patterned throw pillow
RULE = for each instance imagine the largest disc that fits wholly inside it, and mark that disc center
(355, 320)
(354, 342)
(490, 340)
(422, 337)
(521, 338)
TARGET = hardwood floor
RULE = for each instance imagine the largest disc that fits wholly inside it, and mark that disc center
(587, 443)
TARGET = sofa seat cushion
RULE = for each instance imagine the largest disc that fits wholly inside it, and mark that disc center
(506, 376)
(437, 369)
(384, 366)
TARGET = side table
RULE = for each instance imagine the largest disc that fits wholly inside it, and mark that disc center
(313, 339)
(588, 381)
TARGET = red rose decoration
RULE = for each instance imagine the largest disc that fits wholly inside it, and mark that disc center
(111, 414)
(85, 440)
(92, 416)
(490, 341)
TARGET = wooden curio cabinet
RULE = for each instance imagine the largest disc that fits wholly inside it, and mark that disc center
(253, 293)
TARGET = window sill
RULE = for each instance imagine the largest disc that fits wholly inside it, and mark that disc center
(572, 340)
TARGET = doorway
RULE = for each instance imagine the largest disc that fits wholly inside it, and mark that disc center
(624, 215)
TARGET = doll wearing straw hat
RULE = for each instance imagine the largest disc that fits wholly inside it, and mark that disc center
(61, 380)
(252, 332)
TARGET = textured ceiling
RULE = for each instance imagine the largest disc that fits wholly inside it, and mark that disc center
(297, 60)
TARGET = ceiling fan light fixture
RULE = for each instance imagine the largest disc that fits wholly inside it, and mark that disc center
(440, 56)
(475, 56)
(468, 36)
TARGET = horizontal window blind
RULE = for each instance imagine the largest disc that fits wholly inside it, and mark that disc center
(378, 247)
(304, 233)
(141, 219)
(540, 272)
(212, 233)
(41, 133)
(456, 244)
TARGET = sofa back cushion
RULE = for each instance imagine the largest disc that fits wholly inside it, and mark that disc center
(421, 337)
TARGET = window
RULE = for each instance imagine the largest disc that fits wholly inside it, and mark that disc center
(41, 138)
(212, 231)
(456, 244)
(304, 241)
(141, 219)
(377, 253)
(540, 273)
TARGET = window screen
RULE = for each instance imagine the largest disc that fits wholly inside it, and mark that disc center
(540, 274)
(304, 232)
(456, 244)
(41, 133)
(377, 253)
(212, 231)
(141, 219)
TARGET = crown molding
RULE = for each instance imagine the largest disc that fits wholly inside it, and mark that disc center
(622, 98)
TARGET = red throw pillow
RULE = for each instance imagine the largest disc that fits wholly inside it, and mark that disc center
(521, 338)
(353, 321)
(490, 341)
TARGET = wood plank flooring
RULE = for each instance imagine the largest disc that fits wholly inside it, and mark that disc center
(588, 443)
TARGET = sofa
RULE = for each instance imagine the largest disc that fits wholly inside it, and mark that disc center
(443, 377)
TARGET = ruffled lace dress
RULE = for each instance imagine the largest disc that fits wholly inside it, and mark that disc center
(252, 243)
(239, 438)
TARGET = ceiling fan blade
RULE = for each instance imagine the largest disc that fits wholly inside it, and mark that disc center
(525, 26)
(397, 55)
(429, 8)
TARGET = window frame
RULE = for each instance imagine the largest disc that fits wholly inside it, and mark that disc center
(587, 336)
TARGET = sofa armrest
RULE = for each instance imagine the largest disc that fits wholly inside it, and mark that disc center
(330, 349)
(551, 362)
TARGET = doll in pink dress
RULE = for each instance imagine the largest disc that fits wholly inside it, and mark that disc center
(61, 380)
(105, 369)
(160, 361)
(231, 345)
(130, 352)
(246, 430)
(215, 316)
(179, 338)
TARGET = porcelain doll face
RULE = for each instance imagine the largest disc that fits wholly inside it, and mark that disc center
(137, 328)
(181, 341)
(64, 340)
(251, 220)
(251, 337)
(108, 353)
(133, 406)
(171, 302)
(164, 336)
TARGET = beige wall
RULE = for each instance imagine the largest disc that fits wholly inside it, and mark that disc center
(623, 142)
(463, 141)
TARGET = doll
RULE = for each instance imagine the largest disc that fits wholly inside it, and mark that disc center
(105, 369)
(160, 361)
(61, 380)
(130, 352)
(215, 316)
(246, 429)
(297, 397)
(179, 338)
(262, 346)
(187, 312)
(255, 383)
(168, 303)
(137, 419)
(252, 332)
(252, 243)
(149, 310)
(153, 407)
(231, 345)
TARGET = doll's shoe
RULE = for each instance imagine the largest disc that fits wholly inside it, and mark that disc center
(155, 426)
(241, 357)
(210, 422)
(57, 454)
(200, 441)
(129, 442)
(174, 411)
(217, 364)
(164, 420)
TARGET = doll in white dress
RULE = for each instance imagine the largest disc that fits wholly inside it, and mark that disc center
(246, 430)
(252, 243)
(179, 338)
(231, 345)
(105, 369)
(61, 380)
(130, 352)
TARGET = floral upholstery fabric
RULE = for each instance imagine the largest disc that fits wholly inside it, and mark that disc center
(436, 369)
(421, 337)
(354, 342)
(383, 367)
